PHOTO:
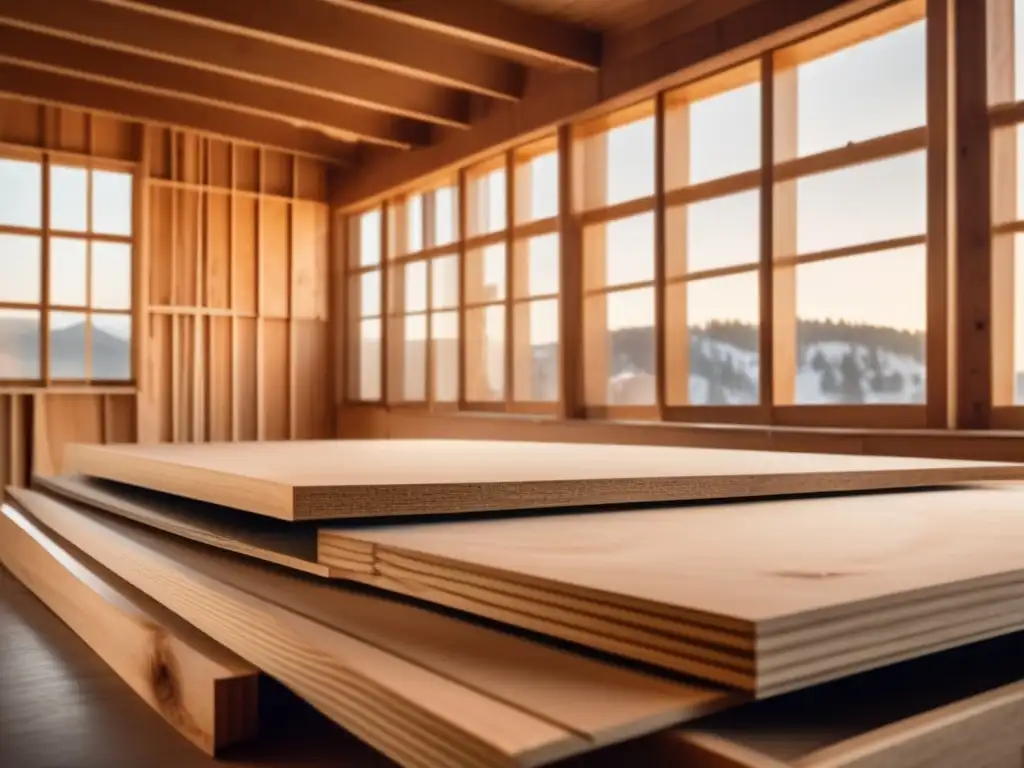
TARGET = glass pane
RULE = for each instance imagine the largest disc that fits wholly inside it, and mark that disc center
(862, 204)
(444, 282)
(111, 347)
(725, 134)
(867, 90)
(446, 214)
(111, 275)
(716, 347)
(630, 161)
(624, 323)
(487, 203)
(485, 354)
(69, 195)
(444, 331)
(368, 239)
(67, 272)
(629, 250)
(21, 269)
(67, 345)
(415, 286)
(861, 329)
(369, 294)
(414, 360)
(21, 193)
(540, 177)
(1018, 311)
(365, 385)
(112, 203)
(414, 224)
(20, 344)
(537, 267)
(722, 232)
(485, 274)
(536, 353)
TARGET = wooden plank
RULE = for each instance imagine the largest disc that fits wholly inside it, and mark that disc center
(321, 479)
(448, 692)
(205, 692)
(807, 593)
(275, 542)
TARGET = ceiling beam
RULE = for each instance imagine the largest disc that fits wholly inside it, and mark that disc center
(346, 35)
(565, 97)
(60, 90)
(256, 61)
(343, 121)
(512, 31)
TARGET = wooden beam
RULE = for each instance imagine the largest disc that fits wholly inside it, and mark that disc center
(330, 30)
(49, 87)
(569, 96)
(343, 121)
(256, 61)
(506, 29)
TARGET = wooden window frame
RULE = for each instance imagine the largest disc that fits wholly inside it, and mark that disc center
(47, 159)
(353, 274)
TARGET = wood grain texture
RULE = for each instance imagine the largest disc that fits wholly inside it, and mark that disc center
(205, 692)
(293, 546)
(423, 688)
(766, 596)
(379, 478)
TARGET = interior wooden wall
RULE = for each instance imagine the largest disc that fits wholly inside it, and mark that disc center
(231, 336)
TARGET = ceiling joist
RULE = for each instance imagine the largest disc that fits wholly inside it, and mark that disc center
(347, 35)
(340, 121)
(255, 61)
(506, 29)
(60, 90)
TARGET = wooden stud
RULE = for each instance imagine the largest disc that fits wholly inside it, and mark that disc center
(660, 314)
(261, 418)
(766, 268)
(570, 240)
(463, 235)
(236, 432)
(510, 276)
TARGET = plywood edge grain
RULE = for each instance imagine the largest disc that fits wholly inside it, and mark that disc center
(255, 495)
(205, 692)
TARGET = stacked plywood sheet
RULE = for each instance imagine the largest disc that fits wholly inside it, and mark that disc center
(745, 599)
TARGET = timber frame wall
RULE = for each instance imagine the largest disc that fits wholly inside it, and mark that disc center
(230, 288)
(968, 144)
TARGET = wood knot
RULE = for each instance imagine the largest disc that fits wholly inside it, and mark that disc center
(162, 678)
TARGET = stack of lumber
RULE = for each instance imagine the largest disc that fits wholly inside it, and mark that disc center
(512, 604)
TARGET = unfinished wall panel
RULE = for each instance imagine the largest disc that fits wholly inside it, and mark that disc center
(276, 383)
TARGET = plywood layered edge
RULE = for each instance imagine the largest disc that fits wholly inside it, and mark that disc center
(205, 692)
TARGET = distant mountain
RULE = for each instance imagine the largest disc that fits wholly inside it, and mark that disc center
(20, 348)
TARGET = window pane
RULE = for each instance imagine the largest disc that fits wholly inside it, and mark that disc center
(712, 356)
(628, 249)
(21, 193)
(487, 202)
(446, 214)
(111, 347)
(67, 272)
(69, 190)
(20, 344)
(619, 358)
(415, 286)
(365, 360)
(871, 89)
(414, 224)
(368, 293)
(862, 204)
(444, 330)
(1018, 311)
(630, 161)
(444, 282)
(536, 353)
(414, 360)
(21, 267)
(485, 354)
(485, 274)
(860, 329)
(67, 345)
(112, 203)
(537, 266)
(111, 275)
(721, 232)
(539, 178)
(725, 134)
(367, 244)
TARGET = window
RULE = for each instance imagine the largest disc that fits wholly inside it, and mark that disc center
(365, 292)
(82, 313)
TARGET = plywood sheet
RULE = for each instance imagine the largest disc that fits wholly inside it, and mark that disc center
(767, 596)
(380, 478)
(424, 688)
